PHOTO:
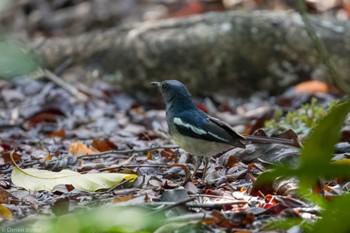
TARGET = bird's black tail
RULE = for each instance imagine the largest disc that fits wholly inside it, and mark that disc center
(262, 139)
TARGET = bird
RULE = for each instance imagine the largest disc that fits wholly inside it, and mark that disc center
(197, 132)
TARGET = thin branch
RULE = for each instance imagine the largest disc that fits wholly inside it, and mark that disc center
(134, 166)
(184, 201)
(214, 205)
(321, 49)
(60, 82)
(129, 151)
(118, 185)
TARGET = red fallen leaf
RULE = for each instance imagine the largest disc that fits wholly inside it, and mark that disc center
(44, 115)
(147, 136)
(314, 86)
(197, 7)
(227, 207)
(41, 117)
(58, 133)
(202, 107)
(213, 192)
(270, 199)
(191, 8)
(7, 158)
(103, 145)
(273, 205)
(5, 147)
(268, 205)
(275, 209)
(168, 155)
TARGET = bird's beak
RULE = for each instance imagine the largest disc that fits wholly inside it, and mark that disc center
(157, 84)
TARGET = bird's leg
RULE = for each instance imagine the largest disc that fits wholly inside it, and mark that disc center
(206, 162)
(196, 166)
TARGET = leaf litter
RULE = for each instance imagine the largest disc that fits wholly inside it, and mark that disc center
(115, 134)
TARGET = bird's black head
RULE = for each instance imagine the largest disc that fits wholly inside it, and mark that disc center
(174, 91)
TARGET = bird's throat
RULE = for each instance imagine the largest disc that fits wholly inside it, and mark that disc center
(179, 104)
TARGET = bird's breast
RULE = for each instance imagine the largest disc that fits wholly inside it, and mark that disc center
(199, 147)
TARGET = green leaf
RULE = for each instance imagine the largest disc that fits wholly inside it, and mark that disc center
(315, 156)
(114, 219)
(336, 217)
(320, 145)
(35, 180)
(14, 61)
(283, 224)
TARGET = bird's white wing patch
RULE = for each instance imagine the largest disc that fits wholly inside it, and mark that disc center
(196, 130)
(218, 137)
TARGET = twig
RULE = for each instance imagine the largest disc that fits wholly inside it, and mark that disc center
(67, 63)
(130, 151)
(66, 86)
(118, 185)
(216, 196)
(133, 166)
(321, 49)
(184, 201)
(214, 205)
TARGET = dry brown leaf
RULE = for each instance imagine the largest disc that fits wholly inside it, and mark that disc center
(122, 198)
(4, 195)
(78, 148)
(58, 133)
(103, 145)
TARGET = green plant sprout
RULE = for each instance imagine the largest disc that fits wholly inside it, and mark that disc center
(301, 120)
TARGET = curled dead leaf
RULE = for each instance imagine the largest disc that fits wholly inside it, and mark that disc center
(78, 148)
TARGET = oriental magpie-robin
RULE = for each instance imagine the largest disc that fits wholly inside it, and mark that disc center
(195, 131)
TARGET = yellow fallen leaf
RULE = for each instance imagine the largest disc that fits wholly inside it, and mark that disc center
(34, 179)
(5, 212)
(342, 162)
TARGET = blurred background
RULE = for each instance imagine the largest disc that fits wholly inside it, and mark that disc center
(55, 18)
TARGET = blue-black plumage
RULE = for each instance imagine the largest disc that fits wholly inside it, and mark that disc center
(193, 130)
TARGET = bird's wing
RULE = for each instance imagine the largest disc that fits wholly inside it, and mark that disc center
(223, 125)
(201, 126)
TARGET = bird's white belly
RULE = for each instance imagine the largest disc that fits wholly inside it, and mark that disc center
(200, 147)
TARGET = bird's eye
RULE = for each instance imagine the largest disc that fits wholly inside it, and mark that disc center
(165, 87)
